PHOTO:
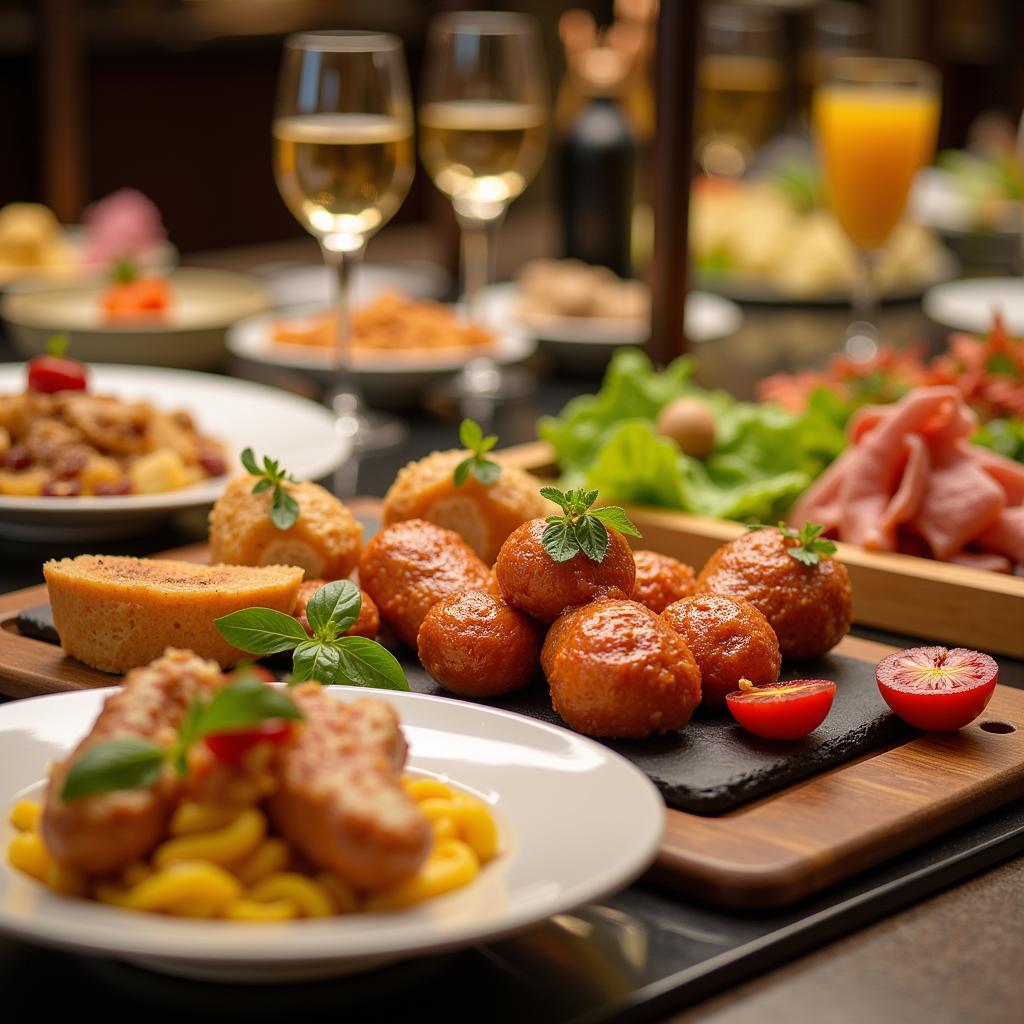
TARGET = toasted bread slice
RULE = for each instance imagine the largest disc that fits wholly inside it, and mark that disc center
(116, 613)
(325, 540)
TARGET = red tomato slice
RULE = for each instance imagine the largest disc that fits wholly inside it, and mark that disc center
(49, 374)
(230, 747)
(937, 689)
(782, 711)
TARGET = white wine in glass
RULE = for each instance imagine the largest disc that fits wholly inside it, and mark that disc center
(343, 161)
(483, 134)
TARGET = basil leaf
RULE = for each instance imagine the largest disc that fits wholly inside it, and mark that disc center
(366, 663)
(484, 470)
(260, 630)
(461, 474)
(592, 537)
(315, 660)
(126, 763)
(487, 443)
(246, 701)
(559, 541)
(616, 518)
(189, 731)
(470, 434)
(555, 495)
(284, 509)
(249, 462)
(333, 608)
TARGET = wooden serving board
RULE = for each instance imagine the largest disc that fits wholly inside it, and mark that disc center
(954, 604)
(770, 852)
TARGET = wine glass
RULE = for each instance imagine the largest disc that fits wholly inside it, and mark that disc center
(875, 120)
(343, 164)
(483, 133)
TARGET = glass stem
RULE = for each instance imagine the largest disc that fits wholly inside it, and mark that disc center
(862, 335)
(343, 394)
(478, 248)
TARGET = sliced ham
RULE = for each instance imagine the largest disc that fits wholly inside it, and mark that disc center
(910, 472)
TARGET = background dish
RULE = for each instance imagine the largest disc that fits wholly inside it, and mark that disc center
(290, 285)
(191, 335)
(969, 305)
(546, 868)
(590, 340)
(241, 414)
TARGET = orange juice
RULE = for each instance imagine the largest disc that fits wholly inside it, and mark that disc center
(872, 143)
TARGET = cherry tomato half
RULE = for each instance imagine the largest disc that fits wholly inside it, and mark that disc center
(230, 747)
(49, 374)
(782, 711)
(937, 689)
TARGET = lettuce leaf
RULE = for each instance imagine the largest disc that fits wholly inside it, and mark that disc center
(764, 456)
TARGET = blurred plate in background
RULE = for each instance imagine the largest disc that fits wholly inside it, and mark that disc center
(969, 305)
(191, 335)
(238, 413)
(290, 285)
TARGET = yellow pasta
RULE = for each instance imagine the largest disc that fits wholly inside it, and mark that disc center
(310, 898)
(451, 865)
(224, 846)
(27, 852)
(184, 886)
(270, 856)
(25, 816)
(219, 862)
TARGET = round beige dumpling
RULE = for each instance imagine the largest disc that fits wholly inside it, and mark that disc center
(325, 540)
(482, 514)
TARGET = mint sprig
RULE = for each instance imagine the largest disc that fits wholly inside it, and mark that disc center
(580, 527)
(284, 509)
(484, 469)
(810, 544)
(130, 762)
(328, 656)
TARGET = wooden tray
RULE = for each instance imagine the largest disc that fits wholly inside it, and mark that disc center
(952, 604)
(768, 853)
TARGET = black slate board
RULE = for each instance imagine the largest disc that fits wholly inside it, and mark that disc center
(713, 765)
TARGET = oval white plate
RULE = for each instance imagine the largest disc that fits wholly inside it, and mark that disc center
(970, 305)
(192, 334)
(297, 432)
(707, 317)
(578, 822)
(251, 339)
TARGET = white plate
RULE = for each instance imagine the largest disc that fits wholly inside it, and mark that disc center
(707, 317)
(969, 305)
(935, 200)
(290, 285)
(578, 822)
(252, 339)
(273, 422)
(191, 336)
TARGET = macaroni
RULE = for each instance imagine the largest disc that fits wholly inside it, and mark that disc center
(219, 862)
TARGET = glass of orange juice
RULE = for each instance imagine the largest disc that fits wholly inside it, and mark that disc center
(875, 120)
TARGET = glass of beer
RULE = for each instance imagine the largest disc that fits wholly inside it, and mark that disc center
(875, 120)
(343, 161)
(483, 134)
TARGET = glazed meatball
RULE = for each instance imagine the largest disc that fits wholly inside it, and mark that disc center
(407, 568)
(729, 639)
(660, 580)
(532, 581)
(617, 669)
(810, 607)
(368, 623)
(474, 644)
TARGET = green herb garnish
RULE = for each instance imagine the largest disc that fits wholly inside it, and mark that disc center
(123, 271)
(581, 528)
(484, 469)
(328, 656)
(284, 509)
(133, 763)
(810, 544)
(57, 345)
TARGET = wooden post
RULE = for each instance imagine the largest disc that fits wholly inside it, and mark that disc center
(60, 49)
(675, 79)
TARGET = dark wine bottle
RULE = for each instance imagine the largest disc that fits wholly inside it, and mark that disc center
(598, 167)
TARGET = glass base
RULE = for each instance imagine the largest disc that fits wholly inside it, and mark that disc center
(368, 431)
(861, 341)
